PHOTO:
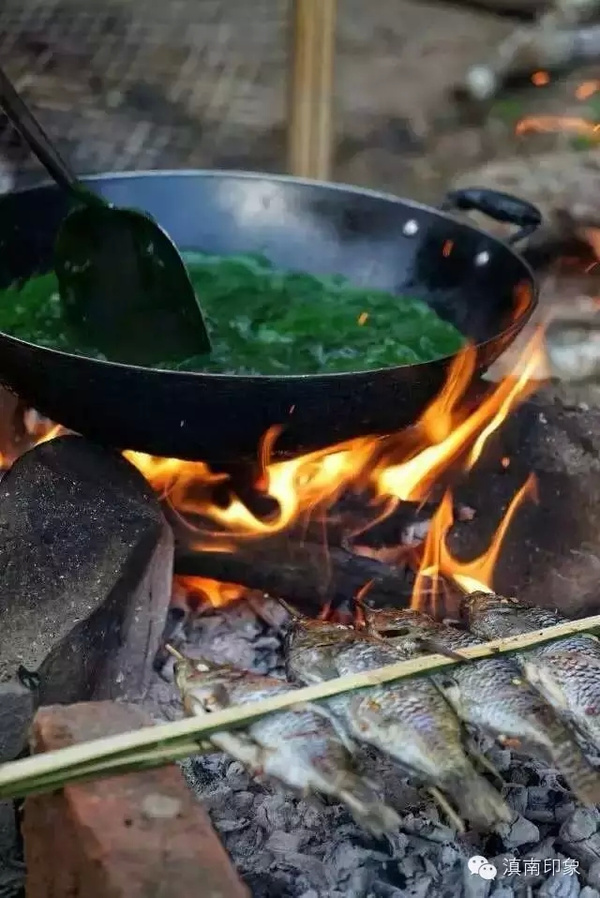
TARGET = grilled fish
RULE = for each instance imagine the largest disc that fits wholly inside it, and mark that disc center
(493, 696)
(411, 723)
(566, 673)
(298, 747)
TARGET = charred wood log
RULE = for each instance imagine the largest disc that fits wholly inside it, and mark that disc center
(562, 39)
(521, 8)
(527, 50)
(306, 575)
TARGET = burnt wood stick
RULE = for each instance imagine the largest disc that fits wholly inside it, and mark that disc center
(518, 8)
(305, 575)
(528, 50)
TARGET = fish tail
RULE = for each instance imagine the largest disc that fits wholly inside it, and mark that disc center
(476, 799)
(366, 807)
(583, 779)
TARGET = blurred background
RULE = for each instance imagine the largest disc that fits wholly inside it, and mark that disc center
(126, 84)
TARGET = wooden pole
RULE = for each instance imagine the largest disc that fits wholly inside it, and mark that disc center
(310, 114)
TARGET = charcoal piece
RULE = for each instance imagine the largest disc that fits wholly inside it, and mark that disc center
(86, 562)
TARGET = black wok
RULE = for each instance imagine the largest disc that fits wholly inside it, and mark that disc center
(470, 278)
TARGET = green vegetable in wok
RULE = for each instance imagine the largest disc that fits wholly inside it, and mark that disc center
(265, 321)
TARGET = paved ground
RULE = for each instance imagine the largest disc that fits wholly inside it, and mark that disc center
(137, 83)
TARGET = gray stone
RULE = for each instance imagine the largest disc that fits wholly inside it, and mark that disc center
(588, 892)
(85, 578)
(12, 871)
(16, 711)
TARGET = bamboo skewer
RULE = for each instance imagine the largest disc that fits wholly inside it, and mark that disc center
(310, 113)
(166, 742)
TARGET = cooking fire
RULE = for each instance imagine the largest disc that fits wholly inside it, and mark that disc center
(345, 560)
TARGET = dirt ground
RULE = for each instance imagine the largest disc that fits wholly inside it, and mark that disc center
(127, 84)
(132, 84)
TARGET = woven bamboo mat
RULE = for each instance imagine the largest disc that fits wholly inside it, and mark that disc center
(150, 83)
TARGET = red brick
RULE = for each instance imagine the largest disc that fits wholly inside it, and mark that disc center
(141, 835)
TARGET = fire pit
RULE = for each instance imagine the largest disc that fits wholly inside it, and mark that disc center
(322, 545)
(417, 517)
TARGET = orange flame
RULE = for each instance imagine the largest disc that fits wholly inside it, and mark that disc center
(402, 466)
(202, 590)
(471, 576)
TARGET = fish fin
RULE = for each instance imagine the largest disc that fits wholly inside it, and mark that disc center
(477, 800)
(335, 723)
(451, 692)
(291, 610)
(433, 646)
(242, 748)
(483, 762)
(539, 677)
(368, 810)
(447, 808)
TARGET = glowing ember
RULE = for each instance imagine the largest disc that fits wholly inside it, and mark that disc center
(540, 79)
(587, 89)
(558, 124)
(202, 590)
(402, 466)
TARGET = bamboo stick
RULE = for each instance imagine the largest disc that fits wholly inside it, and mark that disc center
(310, 113)
(53, 767)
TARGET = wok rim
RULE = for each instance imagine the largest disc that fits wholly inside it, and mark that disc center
(505, 337)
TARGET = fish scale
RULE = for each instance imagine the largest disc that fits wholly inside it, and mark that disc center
(411, 723)
(298, 747)
(566, 673)
(493, 696)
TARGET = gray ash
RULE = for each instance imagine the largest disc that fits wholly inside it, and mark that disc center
(291, 847)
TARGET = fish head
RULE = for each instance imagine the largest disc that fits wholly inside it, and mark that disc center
(390, 619)
(489, 606)
(203, 686)
(311, 647)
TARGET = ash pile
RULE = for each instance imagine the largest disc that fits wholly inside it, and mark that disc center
(528, 784)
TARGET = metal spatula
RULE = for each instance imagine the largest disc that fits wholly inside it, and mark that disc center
(123, 285)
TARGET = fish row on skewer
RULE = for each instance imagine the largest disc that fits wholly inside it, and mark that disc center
(534, 703)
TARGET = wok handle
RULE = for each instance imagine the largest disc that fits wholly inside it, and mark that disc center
(496, 205)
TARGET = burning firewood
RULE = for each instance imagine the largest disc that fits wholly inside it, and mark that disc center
(556, 42)
(306, 574)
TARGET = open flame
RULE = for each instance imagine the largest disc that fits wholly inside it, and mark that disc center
(448, 439)
(439, 565)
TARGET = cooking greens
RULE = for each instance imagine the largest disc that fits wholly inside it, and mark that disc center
(265, 321)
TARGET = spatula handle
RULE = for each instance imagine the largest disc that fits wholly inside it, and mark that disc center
(31, 131)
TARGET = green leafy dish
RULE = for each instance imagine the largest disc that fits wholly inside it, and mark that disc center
(265, 321)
